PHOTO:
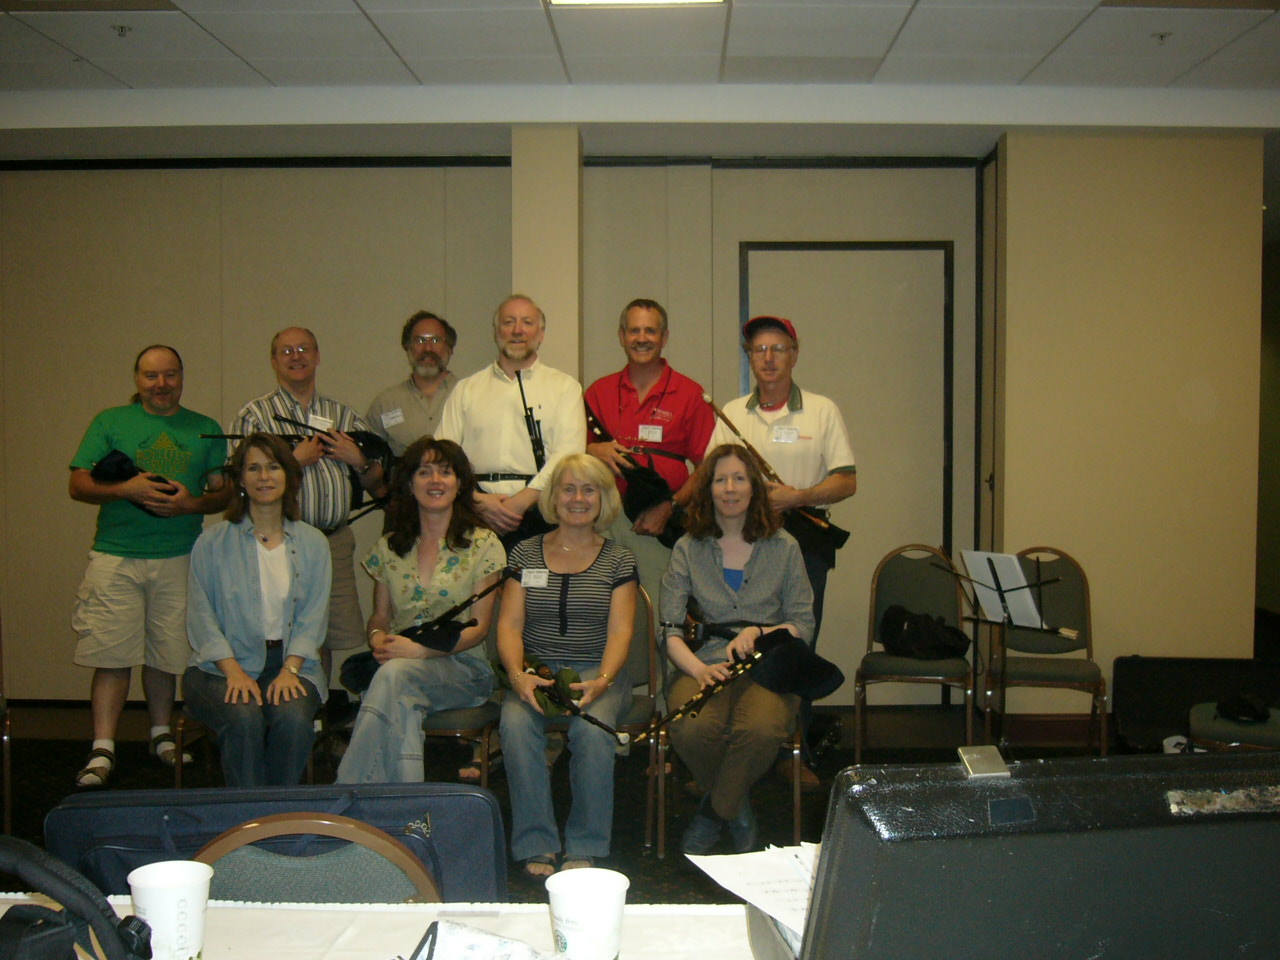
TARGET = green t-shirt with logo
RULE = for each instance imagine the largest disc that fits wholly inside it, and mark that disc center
(170, 446)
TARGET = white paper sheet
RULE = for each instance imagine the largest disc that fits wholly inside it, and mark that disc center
(778, 880)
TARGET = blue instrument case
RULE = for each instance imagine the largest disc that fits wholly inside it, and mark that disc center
(455, 830)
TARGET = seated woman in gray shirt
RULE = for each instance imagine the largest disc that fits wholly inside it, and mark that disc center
(738, 564)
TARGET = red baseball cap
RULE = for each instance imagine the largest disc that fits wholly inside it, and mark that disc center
(752, 326)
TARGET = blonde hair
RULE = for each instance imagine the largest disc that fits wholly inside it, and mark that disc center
(591, 470)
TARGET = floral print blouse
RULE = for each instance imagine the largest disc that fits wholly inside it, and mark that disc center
(455, 577)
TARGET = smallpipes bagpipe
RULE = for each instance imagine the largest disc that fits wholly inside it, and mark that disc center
(781, 662)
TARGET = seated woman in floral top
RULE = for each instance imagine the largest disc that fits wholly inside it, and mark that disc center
(433, 554)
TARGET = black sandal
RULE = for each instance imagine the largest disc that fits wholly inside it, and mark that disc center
(160, 740)
(100, 770)
(541, 860)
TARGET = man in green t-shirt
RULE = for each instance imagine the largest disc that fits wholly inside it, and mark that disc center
(131, 608)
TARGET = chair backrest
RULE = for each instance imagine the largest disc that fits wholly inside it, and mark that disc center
(920, 578)
(1064, 602)
(642, 664)
(372, 867)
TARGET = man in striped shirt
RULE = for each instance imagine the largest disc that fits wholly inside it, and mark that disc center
(329, 459)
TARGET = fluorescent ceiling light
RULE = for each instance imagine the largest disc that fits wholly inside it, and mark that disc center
(627, 3)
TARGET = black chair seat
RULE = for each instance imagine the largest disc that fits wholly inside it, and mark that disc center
(879, 665)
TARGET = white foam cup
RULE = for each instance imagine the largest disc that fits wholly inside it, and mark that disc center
(586, 912)
(171, 896)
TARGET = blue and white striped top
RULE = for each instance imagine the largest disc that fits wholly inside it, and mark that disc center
(568, 619)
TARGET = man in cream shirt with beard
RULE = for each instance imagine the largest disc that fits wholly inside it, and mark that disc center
(490, 415)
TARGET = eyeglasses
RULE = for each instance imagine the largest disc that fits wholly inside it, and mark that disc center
(423, 339)
(777, 349)
(301, 350)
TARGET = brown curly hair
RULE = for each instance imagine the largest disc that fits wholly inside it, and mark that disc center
(762, 521)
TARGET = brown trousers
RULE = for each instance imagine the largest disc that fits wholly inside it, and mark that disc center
(734, 739)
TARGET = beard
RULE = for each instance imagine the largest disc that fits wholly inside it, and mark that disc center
(429, 366)
(516, 352)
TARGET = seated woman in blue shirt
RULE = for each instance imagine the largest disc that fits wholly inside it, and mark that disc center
(257, 611)
(740, 566)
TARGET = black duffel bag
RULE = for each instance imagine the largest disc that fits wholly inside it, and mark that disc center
(920, 636)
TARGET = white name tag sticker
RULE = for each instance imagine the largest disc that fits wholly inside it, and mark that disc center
(392, 417)
(319, 422)
(782, 434)
(651, 432)
(534, 577)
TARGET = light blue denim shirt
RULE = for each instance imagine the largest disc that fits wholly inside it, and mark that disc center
(224, 599)
(775, 588)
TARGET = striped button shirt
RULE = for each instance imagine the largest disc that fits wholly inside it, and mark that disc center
(325, 498)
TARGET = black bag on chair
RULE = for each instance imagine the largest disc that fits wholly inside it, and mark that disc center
(919, 636)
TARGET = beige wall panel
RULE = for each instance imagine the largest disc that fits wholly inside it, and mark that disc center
(96, 265)
(689, 271)
(348, 253)
(835, 205)
(647, 233)
(1131, 339)
(477, 259)
(624, 255)
(546, 234)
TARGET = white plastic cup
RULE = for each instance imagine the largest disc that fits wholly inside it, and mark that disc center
(586, 912)
(171, 895)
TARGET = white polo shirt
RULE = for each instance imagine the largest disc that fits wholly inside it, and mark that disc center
(804, 441)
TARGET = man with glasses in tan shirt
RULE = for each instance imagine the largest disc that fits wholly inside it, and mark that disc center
(411, 409)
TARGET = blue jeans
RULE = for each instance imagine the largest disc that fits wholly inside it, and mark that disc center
(261, 746)
(386, 743)
(524, 740)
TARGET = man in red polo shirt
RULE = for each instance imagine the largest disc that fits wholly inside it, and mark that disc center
(649, 406)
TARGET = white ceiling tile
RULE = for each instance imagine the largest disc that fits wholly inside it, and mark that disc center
(854, 4)
(814, 30)
(964, 31)
(1132, 32)
(608, 32)
(19, 42)
(266, 6)
(641, 70)
(979, 71)
(1223, 74)
(799, 69)
(418, 6)
(178, 74)
(44, 75)
(1260, 43)
(307, 72)
(1107, 72)
(314, 35)
(1007, 4)
(152, 35)
(467, 33)
(488, 70)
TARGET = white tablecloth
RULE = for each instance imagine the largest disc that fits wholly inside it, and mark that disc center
(249, 931)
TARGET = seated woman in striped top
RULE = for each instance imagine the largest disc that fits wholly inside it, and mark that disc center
(572, 606)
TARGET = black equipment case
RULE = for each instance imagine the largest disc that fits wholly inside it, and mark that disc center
(1152, 697)
(455, 830)
(1138, 856)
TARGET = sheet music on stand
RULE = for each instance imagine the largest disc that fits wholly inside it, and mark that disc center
(1001, 588)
